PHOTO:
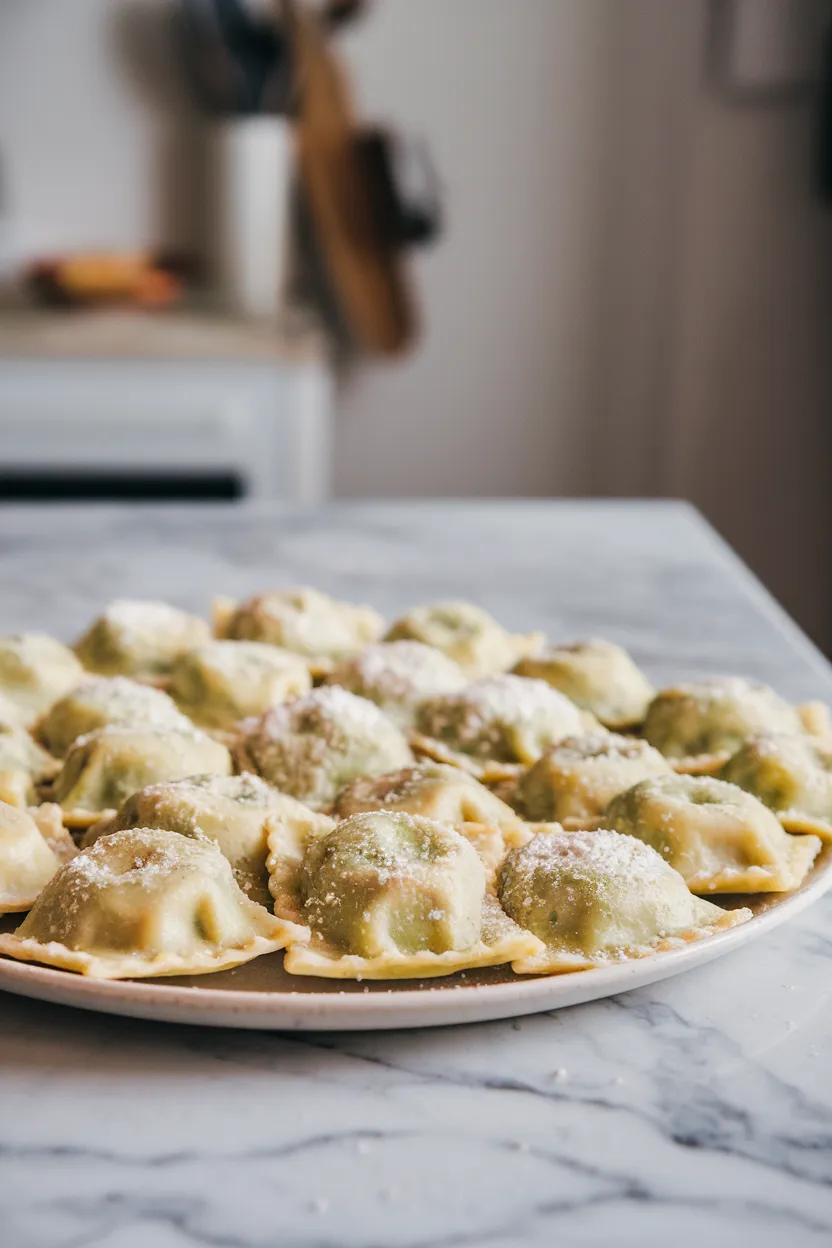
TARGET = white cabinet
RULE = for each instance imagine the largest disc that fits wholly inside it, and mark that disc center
(259, 417)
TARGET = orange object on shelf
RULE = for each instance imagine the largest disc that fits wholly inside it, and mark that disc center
(107, 277)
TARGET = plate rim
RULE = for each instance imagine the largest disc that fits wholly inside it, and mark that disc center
(300, 1010)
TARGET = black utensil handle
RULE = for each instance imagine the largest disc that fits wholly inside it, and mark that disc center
(406, 195)
(253, 45)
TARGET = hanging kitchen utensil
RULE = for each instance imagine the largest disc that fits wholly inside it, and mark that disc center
(361, 254)
(405, 185)
(212, 73)
(253, 46)
(236, 60)
(339, 12)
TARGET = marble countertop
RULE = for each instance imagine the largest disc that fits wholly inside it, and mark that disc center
(694, 1112)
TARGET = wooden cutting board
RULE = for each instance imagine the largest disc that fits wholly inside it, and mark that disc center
(364, 266)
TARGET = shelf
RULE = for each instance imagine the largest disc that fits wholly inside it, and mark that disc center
(111, 334)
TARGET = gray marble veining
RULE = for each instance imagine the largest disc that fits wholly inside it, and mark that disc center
(697, 1111)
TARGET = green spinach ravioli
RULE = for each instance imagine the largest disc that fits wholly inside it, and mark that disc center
(700, 724)
(103, 768)
(719, 838)
(597, 676)
(575, 781)
(391, 895)
(384, 802)
(106, 702)
(465, 633)
(311, 747)
(146, 902)
(791, 775)
(504, 719)
(596, 898)
(139, 639)
(398, 676)
(222, 682)
(35, 670)
(235, 812)
(302, 620)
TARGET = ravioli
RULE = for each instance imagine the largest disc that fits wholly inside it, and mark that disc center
(139, 639)
(222, 682)
(27, 860)
(504, 719)
(791, 776)
(575, 781)
(397, 676)
(701, 724)
(433, 790)
(719, 838)
(103, 702)
(10, 712)
(600, 898)
(392, 895)
(816, 720)
(232, 811)
(35, 670)
(23, 765)
(146, 902)
(289, 831)
(302, 620)
(105, 767)
(597, 676)
(465, 633)
(312, 746)
(49, 820)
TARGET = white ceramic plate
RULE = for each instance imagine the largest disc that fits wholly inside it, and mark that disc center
(261, 995)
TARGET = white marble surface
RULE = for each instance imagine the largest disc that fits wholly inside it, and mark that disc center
(695, 1112)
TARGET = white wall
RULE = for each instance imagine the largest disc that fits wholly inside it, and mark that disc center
(85, 139)
(751, 401)
(718, 306)
(498, 397)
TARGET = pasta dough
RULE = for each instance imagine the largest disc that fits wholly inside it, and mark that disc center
(699, 725)
(312, 746)
(594, 898)
(146, 902)
(232, 811)
(222, 682)
(597, 676)
(790, 775)
(301, 620)
(392, 895)
(507, 719)
(397, 676)
(575, 781)
(23, 765)
(105, 767)
(35, 670)
(720, 839)
(465, 633)
(10, 712)
(140, 639)
(102, 702)
(27, 861)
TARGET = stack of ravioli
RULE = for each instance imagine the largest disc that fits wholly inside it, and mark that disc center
(383, 802)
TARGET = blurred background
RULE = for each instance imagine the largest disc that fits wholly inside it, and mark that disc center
(453, 247)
